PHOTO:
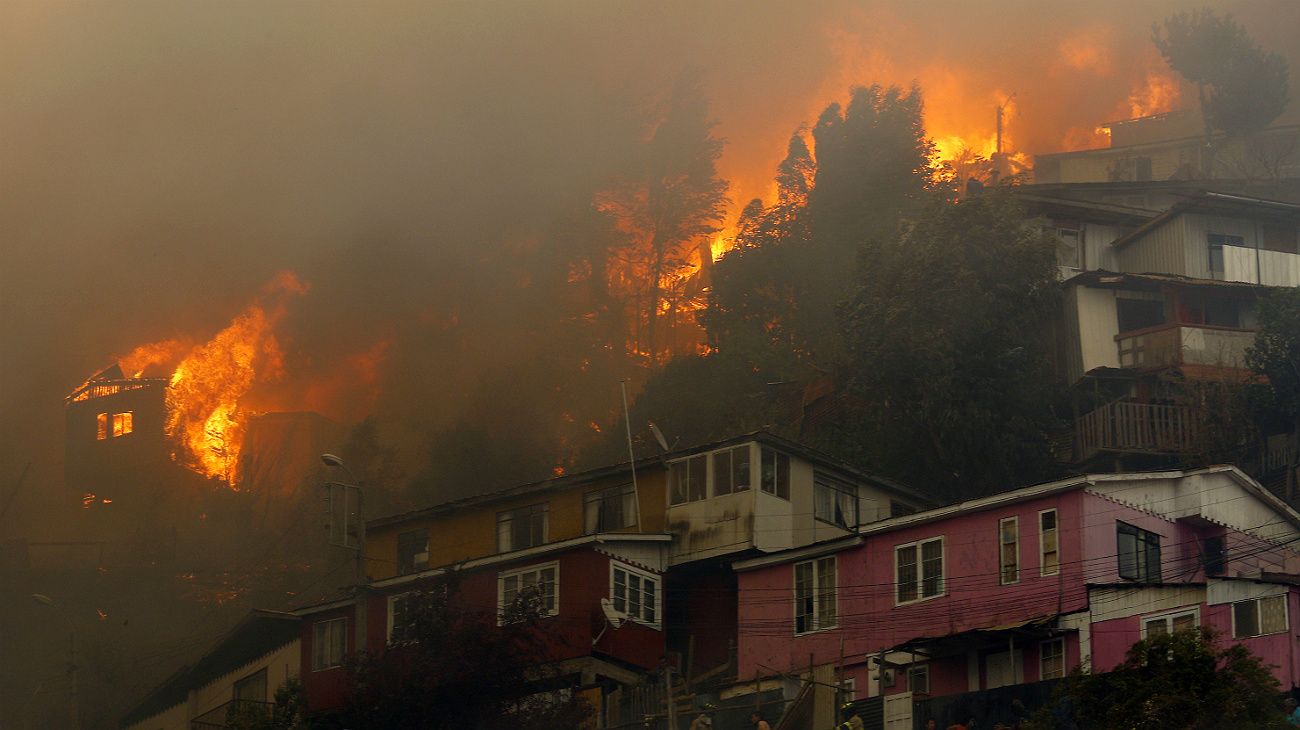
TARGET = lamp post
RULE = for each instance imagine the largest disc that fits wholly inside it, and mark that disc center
(74, 707)
(335, 462)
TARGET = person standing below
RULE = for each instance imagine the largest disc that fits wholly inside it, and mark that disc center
(756, 718)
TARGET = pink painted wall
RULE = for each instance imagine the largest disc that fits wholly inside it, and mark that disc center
(869, 620)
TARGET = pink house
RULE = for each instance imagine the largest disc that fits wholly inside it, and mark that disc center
(1026, 585)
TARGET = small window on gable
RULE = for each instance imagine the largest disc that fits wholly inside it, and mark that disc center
(101, 426)
(776, 473)
(1069, 240)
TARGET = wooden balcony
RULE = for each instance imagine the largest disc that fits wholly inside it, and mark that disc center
(1128, 427)
(1182, 344)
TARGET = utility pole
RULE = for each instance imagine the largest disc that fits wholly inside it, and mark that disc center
(672, 702)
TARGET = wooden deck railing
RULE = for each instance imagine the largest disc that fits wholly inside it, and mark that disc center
(1125, 426)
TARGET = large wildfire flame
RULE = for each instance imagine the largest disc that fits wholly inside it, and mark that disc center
(204, 415)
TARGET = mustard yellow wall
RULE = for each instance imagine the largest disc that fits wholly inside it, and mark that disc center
(472, 532)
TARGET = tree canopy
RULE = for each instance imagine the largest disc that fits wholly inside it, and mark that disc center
(1184, 680)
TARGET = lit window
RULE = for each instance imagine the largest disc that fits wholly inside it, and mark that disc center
(635, 594)
(101, 426)
(776, 473)
(815, 596)
(1051, 659)
(1050, 564)
(1169, 623)
(918, 568)
(412, 551)
(609, 509)
(329, 644)
(834, 501)
(122, 423)
(521, 528)
(689, 480)
(541, 581)
(918, 679)
(1009, 539)
(1139, 553)
(1259, 617)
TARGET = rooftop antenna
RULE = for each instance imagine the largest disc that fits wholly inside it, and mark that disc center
(631, 456)
(659, 436)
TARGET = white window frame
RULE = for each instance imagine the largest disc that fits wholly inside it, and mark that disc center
(1002, 566)
(657, 623)
(1168, 618)
(1042, 547)
(920, 570)
(1259, 615)
(593, 504)
(815, 618)
(849, 689)
(777, 455)
(325, 660)
(921, 670)
(1042, 658)
(392, 613)
(685, 464)
(519, 572)
(836, 487)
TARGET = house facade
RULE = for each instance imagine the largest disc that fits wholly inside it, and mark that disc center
(632, 562)
(1026, 585)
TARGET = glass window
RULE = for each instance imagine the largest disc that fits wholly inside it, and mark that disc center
(1169, 623)
(101, 426)
(635, 594)
(1216, 242)
(1050, 561)
(329, 644)
(918, 679)
(251, 688)
(731, 470)
(927, 582)
(609, 509)
(1051, 659)
(834, 501)
(1259, 617)
(1068, 247)
(541, 582)
(412, 551)
(522, 528)
(815, 596)
(1139, 553)
(400, 618)
(776, 473)
(1009, 539)
(689, 479)
(123, 423)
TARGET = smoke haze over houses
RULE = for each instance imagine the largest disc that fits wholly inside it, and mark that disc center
(414, 162)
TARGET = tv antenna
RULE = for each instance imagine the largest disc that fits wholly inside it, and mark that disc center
(659, 436)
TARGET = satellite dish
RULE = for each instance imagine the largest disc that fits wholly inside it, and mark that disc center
(659, 436)
(614, 617)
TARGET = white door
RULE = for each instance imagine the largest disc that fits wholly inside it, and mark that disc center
(1003, 669)
(898, 711)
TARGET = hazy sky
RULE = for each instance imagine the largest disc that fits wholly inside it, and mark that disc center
(162, 160)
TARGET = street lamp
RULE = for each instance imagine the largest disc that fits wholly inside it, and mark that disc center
(73, 707)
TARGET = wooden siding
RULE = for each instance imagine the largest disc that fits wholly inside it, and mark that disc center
(1161, 250)
(1135, 427)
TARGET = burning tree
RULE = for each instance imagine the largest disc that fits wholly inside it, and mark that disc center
(667, 210)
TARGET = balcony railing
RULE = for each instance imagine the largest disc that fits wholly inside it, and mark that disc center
(1175, 344)
(1127, 427)
(235, 713)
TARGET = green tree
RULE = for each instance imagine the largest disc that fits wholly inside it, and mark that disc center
(456, 668)
(1182, 681)
(949, 377)
(1241, 87)
(1276, 356)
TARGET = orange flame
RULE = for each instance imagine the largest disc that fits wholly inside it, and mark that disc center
(1155, 94)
